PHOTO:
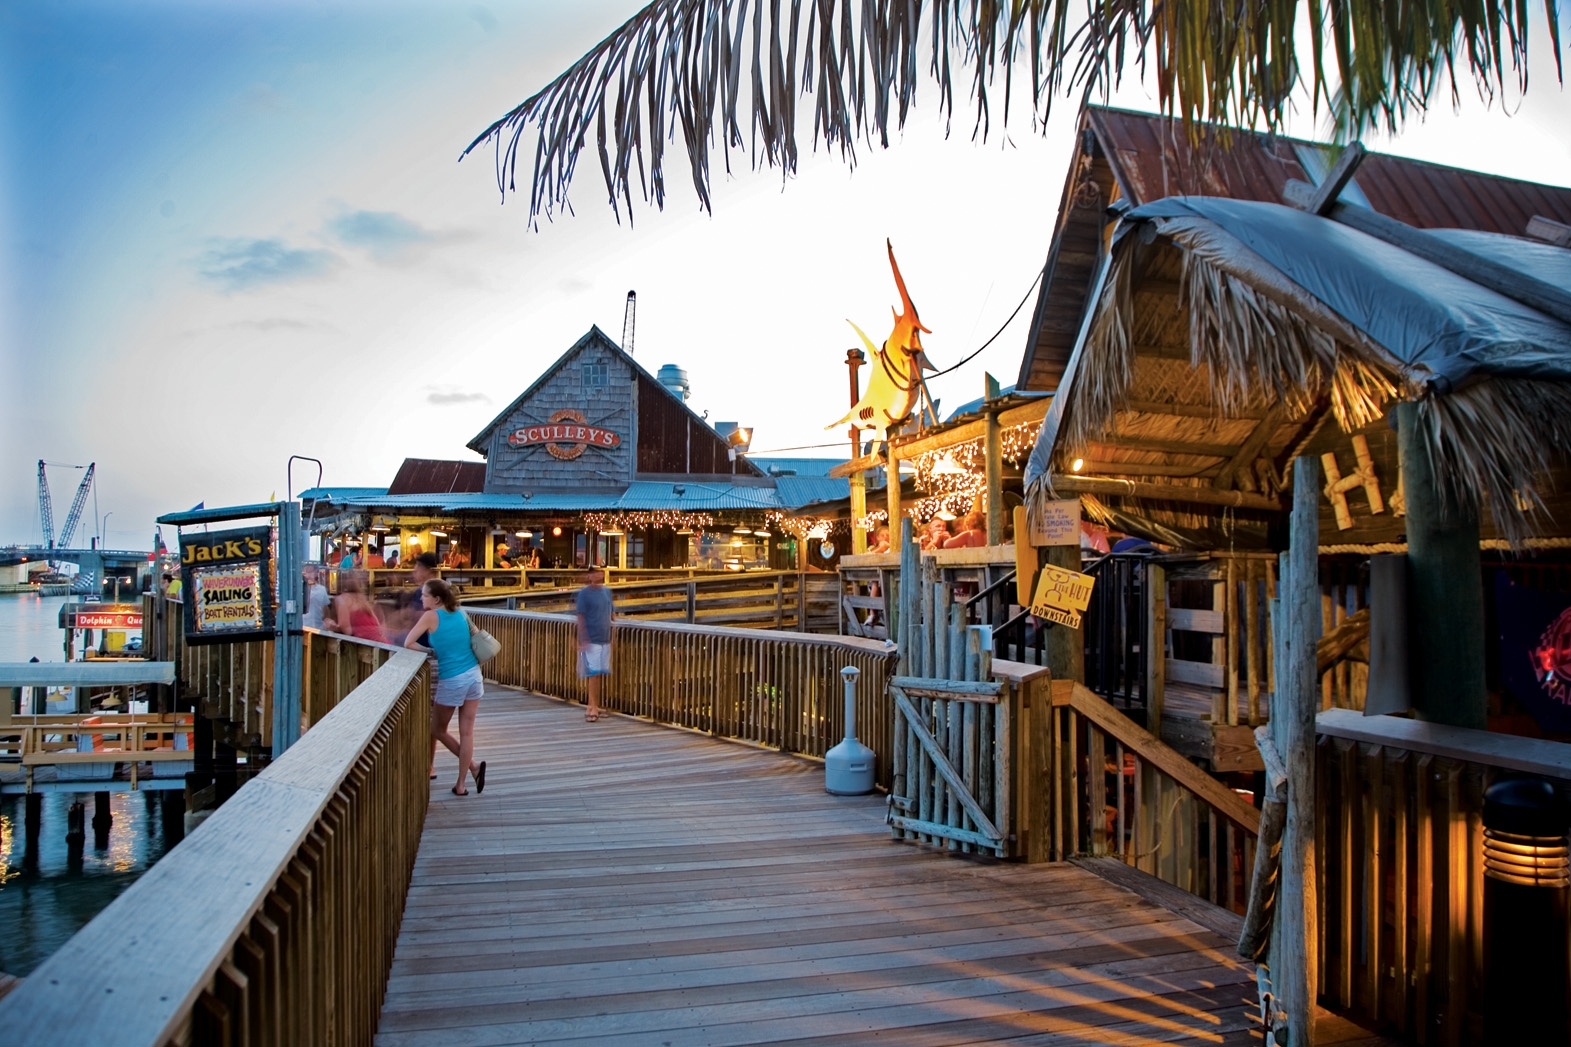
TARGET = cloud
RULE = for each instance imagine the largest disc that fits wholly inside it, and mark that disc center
(383, 233)
(482, 14)
(447, 399)
(239, 264)
(281, 323)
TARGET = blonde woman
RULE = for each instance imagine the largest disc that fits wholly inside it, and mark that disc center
(458, 681)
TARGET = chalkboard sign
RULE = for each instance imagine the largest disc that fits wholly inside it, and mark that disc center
(227, 585)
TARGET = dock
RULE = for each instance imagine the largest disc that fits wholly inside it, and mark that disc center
(625, 883)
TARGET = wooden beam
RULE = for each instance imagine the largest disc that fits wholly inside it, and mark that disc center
(1326, 193)
(1514, 284)
(920, 443)
(1549, 231)
(1245, 458)
(1101, 485)
(1149, 443)
(857, 465)
(1506, 751)
(1149, 469)
(1141, 742)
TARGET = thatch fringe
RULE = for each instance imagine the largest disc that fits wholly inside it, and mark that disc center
(1498, 441)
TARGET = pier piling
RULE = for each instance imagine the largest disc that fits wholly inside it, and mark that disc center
(32, 823)
(75, 835)
(103, 818)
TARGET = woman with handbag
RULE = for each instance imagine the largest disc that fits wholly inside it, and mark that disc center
(458, 681)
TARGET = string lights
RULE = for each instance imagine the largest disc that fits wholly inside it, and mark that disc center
(612, 522)
(952, 478)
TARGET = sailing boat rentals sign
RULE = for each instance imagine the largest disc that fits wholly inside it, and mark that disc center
(227, 585)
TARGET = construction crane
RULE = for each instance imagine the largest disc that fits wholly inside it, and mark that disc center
(46, 511)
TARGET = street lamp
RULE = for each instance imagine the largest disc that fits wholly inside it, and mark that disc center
(103, 528)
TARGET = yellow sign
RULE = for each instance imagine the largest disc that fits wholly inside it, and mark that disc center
(1062, 595)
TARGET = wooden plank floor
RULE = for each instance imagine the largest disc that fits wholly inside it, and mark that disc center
(621, 883)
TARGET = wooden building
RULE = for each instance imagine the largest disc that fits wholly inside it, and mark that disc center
(597, 461)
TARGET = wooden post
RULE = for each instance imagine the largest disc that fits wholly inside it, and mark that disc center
(1066, 654)
(858, 512)
(1296, 701)
(1445, 590)
(892, 489)
(993, 457)
(1156, 646)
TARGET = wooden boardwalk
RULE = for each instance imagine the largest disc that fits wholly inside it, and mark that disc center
(621, 883)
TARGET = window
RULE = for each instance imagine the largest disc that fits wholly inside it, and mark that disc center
(594, 376)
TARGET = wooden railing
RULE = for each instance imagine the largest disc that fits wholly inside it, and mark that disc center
(275, 922)
(1399, 842)
(1114, 789)
(781, 690)
(234, 682)
(798, 601)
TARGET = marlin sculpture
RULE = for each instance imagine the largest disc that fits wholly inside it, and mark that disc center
(894, 381)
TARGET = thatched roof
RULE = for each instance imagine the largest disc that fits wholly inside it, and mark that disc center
(1229, 337)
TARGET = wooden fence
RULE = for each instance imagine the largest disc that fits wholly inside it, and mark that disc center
(1114, 789)
(777, 689)
(1399, 839)
(275, 922)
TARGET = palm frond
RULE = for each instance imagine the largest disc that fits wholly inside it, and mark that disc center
(677, 67)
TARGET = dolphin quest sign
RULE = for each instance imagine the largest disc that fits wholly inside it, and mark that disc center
(227, 585)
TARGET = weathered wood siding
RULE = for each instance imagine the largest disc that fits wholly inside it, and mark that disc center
(574, 384)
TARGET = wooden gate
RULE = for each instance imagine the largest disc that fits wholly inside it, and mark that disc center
(951, 763)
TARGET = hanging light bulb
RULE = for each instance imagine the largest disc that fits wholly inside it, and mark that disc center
(1077, 465)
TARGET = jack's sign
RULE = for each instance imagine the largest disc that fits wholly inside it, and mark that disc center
(227, 585)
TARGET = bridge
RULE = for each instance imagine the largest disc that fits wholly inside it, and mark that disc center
(96, 565)
(675, 873)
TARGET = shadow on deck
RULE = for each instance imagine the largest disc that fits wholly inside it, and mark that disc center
(624, 884)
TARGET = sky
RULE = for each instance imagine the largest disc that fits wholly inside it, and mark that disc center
(233, 232)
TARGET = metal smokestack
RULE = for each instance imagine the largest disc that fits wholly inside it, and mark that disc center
(629, 316)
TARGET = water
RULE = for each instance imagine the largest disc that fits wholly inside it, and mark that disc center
(40, 908)
(30, 628)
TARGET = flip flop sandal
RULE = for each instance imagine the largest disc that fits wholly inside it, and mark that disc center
(591, 717)
(457, 793)
(480, 779)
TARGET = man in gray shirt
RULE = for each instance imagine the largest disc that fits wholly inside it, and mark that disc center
(594, 637)
(316, 599)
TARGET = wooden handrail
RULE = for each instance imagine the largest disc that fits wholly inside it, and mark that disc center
(1141, 742)
(1507, 751)
(290, 893)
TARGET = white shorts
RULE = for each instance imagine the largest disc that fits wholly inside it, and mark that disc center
(594, 660)
(456, 690)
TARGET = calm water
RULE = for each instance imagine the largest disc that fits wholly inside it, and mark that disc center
(41, 907)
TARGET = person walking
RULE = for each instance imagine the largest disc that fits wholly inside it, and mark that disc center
(459, 685)
(316, 599)
(353, 613)
(594, 637)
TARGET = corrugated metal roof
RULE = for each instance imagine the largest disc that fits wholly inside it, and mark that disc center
(437, 476)
(1152, 157)
(340, 494)
(795, 491)
(699, 497)
(1143, 157)
(775, 466)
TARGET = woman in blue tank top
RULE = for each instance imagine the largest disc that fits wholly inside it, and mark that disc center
(458, 681)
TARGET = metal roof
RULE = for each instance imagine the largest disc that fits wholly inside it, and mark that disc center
(1143, 157)
(340, 494)
(776, 466)
(795, 491)
(437, 476)
(698, 497)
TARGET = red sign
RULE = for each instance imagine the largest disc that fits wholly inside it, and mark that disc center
(119, 617)
(565, 436)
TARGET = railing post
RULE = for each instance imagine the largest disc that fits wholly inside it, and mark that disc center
(288, 648)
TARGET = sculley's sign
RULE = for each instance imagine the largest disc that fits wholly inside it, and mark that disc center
(565, 436)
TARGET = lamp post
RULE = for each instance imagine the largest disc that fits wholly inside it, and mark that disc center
(1527, 882)
(855, 358)
(103, 529)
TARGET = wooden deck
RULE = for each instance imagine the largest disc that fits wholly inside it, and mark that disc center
(621, 883)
